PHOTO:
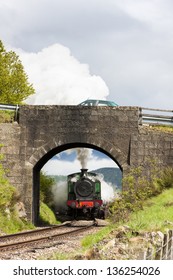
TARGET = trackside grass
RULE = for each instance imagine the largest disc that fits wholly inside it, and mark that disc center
(90, 240)
(157, 214)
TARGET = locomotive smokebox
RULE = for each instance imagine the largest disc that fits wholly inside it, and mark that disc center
(84, 172)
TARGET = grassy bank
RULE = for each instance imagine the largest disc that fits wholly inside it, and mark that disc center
(157, 214)
(47, 216)
(13, 223)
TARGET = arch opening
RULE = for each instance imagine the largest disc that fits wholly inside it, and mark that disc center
(57, 154)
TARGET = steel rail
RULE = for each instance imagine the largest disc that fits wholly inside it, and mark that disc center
(32, 232)
(4, 247)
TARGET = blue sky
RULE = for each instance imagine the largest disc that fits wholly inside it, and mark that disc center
(68, 162)
(71, 155)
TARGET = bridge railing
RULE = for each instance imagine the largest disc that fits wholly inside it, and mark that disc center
(9, 107)
(155, 116)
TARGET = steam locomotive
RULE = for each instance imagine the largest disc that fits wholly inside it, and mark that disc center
(84, 195)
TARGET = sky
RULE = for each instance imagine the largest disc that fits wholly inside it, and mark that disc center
(73, 50)
(76, 49)
(72, 160)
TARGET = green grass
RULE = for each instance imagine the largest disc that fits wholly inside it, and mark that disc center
(164, 128)
(6, 116)
(46, 215)
(92, 239)
(156, 215)
(13, 224)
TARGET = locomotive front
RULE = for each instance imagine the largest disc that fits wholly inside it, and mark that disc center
(84, 194)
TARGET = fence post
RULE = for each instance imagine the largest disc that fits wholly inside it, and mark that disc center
(165, 247)
(169, 254)
(149, 253)
(140, 116)
(158, 254)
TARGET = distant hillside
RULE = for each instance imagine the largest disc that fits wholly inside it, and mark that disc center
(111, 175)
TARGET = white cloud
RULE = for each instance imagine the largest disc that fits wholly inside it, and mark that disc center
(60, 167)
(59, 78)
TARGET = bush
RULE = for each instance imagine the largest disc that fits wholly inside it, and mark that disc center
(6, 116)
(9, 219)
(166, 179)
(46, 183)
(8, 194)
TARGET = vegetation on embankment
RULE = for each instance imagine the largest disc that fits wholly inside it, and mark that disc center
(156, 215)
(11, 223)
(47, 216)
(147, 206)
(140, 187)
(10, 220)
(6, 116)
(159, 127)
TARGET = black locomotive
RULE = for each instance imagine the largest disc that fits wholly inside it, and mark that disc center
(84, 195)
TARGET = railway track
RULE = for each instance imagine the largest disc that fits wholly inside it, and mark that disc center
(39, 238)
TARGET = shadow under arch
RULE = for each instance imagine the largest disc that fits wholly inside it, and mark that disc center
(43, 159)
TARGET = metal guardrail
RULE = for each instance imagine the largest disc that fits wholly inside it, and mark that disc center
(154, 116)
(10, 107)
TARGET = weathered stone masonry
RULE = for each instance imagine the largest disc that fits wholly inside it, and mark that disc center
(43, 131)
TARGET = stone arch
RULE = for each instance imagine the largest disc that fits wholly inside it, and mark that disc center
(46, 152)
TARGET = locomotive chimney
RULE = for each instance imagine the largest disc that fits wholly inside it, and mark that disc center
(83, 172)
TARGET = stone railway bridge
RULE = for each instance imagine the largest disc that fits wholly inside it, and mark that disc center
(43, 131)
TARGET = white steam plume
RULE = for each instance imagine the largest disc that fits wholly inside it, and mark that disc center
(59, 191)
(108, 191)
(83, 155)
(59, 78)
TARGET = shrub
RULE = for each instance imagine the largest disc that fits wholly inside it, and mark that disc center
(166, 179)
(8, 194)
(6, 116)
(9, 219)
(46, 183)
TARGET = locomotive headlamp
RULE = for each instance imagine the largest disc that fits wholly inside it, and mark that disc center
(96, 204)
(73, 205)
